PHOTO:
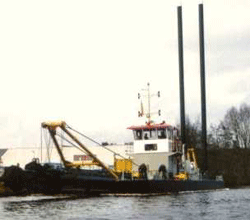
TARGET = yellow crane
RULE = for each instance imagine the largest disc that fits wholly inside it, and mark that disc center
(192, 157)
(52, 127)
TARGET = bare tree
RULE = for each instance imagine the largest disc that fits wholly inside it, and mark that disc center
(244, 126)
(193, 132)
(235, 128)
(214, 138)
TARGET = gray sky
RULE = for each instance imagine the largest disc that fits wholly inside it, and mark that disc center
(85, 61)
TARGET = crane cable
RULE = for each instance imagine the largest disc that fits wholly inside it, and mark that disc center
(90, 139)
(48, 143)
(63, 138)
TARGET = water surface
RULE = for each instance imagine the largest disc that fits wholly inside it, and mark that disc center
(211, 205)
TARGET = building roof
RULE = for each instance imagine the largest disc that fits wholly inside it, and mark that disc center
(2, 152)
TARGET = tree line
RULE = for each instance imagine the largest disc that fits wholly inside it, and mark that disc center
(228, 146)
(232, 132)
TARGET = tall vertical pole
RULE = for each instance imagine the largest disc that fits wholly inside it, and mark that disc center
(181, 76)
(41, 146)
(203, 87)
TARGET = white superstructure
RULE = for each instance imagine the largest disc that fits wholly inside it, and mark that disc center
(155, 145)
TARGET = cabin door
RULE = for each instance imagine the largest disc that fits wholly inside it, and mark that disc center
(172, 166)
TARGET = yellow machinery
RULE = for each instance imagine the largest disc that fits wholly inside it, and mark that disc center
(123, 165)
(192, 157)
(84, 163)
(52, 126)
(182, 176)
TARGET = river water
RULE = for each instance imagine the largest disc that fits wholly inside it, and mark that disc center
(211, 205)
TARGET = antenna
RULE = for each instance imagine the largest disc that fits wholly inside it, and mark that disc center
(148, 96)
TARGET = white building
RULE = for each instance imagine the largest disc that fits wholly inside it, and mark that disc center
(24, 155)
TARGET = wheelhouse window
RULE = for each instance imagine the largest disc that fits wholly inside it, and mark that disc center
(149, 134)
(138, 134)
(162, 133)
(150, 147)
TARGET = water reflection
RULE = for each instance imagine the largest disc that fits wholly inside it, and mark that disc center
(19, 206)
(45, 208)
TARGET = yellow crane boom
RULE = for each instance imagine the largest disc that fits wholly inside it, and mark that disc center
(52, 126)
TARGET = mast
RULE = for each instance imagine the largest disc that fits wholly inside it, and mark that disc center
(148, 96)
(149, 113)
(203, 87)
(181, 75)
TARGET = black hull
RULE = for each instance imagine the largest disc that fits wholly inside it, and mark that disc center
(88, 182)
(141, 186)
(165, 186)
